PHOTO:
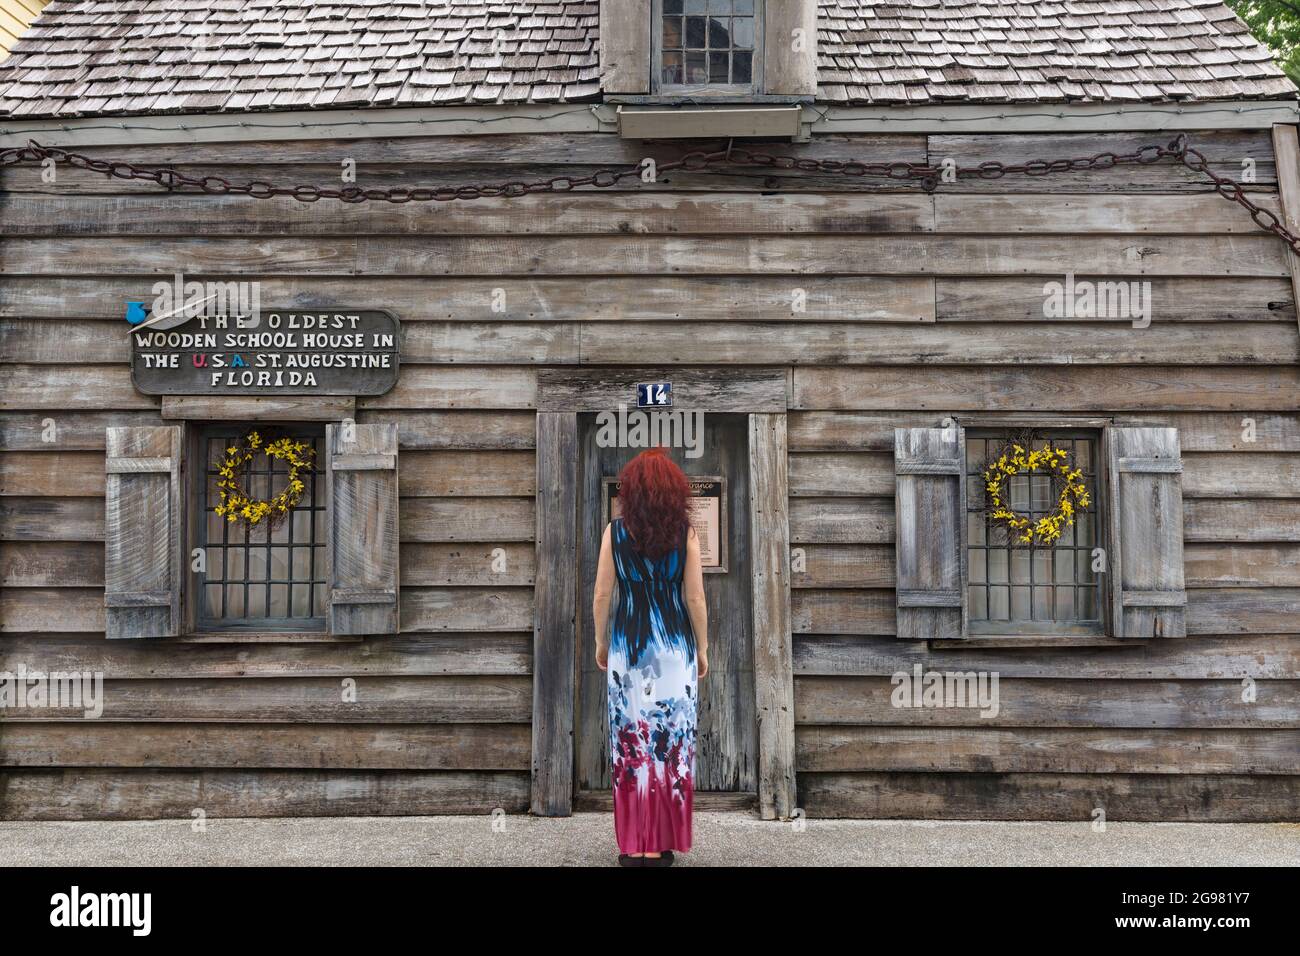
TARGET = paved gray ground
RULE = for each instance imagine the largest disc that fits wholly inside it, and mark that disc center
(587, 839)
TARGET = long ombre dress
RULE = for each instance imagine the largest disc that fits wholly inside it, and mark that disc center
(652, 700)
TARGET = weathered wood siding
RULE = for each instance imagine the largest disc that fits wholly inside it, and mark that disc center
(916, 306)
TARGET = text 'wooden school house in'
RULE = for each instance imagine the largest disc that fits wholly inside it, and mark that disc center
(853, 255)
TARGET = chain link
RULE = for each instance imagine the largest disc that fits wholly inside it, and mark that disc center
(930, 177)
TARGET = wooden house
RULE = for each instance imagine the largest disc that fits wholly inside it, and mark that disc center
(862, 338)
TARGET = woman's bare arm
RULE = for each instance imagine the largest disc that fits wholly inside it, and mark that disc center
(696, 606)
(604, 591)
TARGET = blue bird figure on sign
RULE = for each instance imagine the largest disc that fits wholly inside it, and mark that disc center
(136, 312)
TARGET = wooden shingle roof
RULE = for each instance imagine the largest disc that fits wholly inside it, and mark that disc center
(96, 57)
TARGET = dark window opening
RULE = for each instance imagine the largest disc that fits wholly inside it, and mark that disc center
(269, 576)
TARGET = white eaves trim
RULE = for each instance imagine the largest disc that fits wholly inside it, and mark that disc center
(603, 118)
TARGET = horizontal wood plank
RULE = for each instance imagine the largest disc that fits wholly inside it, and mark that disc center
(492, 520)
(411, 655)
(466, 473)
(244, 746)
(1258, 656)
(466, 609)
(636, 298)
(114, 794)
(1046, 750)
(482, 565)
(453, 699)
(424, 431)
(1050, 702)
(1131, 388)
(1197, 431)
(1159, 798)
(1258, 254)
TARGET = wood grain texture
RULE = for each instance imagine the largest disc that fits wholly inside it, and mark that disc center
(1148, 598)
(708, 390)
(269, 746)
(841, 431)
(555, 635)
(1257, 255)
(1258, 656)
(111, 794)
(466, 609)
(144, 520)
(1047, 750)
(625, 45)
(252, 408)
(636, 298)
(930, 545)
(770, 555)
(51, 564)
(790, 48)
(65, 430)
(1159, 798)
(299, 700)
(955, 389)
(411, 655)
(1286, 155)
(1017, 299)
(1056, 702)
(436, 431)
(362, 532)
(469, 565)
(492, 520)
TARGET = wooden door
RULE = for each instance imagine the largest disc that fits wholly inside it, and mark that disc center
(726, 746)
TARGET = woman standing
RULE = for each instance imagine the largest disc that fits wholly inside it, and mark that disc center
(654, 653)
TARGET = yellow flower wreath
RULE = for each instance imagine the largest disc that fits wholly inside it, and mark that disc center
(236, 504)
(1074, 493)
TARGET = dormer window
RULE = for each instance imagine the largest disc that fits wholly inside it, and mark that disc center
(707, 46)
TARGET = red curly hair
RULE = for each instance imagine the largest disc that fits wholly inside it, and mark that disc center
(652, 495)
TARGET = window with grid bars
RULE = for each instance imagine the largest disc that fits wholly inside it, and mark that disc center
(271, 576)
(709, 45)
(1030, 587)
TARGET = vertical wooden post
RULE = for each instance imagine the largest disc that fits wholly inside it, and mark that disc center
(773, 658)
(1286, 157)
(555, 617)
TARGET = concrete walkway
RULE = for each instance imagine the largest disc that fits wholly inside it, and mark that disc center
(587, 839)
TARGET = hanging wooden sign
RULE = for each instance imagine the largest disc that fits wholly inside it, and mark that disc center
(285, 352)
(707, 510)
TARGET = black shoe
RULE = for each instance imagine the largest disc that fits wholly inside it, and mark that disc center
(626, 860)
(664, 859)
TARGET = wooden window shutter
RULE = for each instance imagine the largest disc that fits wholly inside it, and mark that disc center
(625, 45)
(361, 482)
(1146, 549)
(144, 523)
(930, 540)
(790, 47)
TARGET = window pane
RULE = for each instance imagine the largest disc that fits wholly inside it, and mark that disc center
(672, 6)
(1047, 582)
(719, 35)
(697, 6)
(672, 71)
(672, 33)
(742, 33)
(695, 33)
(744, 6)
(718, 67)
(719, 6)
(254, 572)
(741, 68)
(696, 68)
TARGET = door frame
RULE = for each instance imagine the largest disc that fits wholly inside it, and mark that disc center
(564, 393)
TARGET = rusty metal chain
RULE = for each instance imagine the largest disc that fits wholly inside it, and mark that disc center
(927, 175)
